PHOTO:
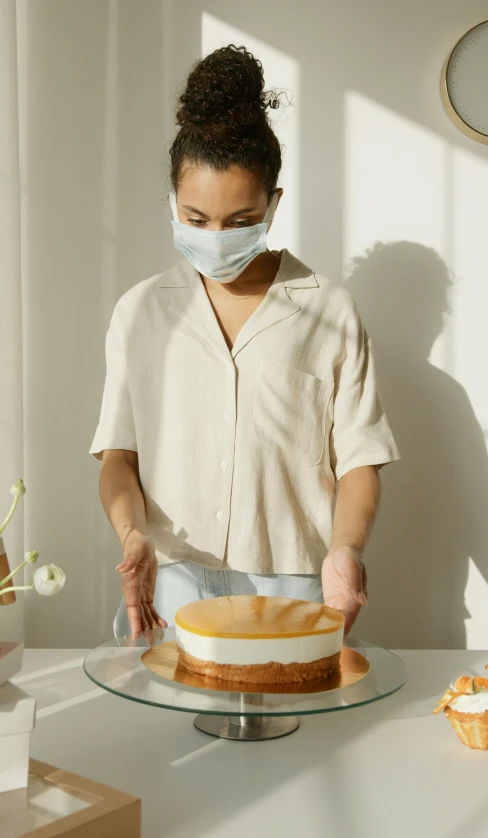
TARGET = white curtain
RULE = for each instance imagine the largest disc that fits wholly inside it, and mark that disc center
(11, 414)
(84, 90)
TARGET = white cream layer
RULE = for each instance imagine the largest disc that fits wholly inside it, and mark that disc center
(246, 651)
(475, 703)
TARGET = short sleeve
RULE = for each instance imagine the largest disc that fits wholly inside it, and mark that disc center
(116, 424)
(360, 434)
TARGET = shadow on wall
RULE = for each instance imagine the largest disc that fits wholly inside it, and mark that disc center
(434, 513)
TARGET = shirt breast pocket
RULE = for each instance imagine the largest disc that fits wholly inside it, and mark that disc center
(289, 412)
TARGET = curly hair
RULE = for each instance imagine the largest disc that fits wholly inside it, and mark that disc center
(223, 117)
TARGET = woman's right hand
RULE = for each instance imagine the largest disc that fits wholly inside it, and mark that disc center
(139, 569)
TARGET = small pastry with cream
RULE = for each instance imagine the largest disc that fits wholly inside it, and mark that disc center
(466, 706)
(259, 639)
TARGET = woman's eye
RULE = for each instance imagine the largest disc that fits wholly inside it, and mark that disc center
(198, 222)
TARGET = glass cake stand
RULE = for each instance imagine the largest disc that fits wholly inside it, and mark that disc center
(117, 667)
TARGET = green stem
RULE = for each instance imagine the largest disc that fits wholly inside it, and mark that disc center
(13, 573)
(17, 588)
(7, 519)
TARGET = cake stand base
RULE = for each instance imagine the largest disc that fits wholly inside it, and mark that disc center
(246, 728)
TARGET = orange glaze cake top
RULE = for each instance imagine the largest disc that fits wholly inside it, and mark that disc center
(258, 617)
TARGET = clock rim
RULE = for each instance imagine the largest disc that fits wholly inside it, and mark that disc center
(446, 99)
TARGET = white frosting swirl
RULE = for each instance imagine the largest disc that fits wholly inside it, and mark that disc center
(471, 703)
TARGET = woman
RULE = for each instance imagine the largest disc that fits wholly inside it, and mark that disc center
(240, 391)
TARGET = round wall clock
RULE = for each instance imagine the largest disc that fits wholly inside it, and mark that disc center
(464, 84)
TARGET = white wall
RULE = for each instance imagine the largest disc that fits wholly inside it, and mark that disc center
(370, 156)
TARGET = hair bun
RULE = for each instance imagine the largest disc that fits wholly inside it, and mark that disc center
(227, 85)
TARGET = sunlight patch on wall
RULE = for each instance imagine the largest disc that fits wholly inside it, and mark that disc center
(394, 172)
(469, 261)
(283, 73)
(476, 597)
(394, 186)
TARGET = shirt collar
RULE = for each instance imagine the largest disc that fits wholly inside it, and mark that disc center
(279, 303)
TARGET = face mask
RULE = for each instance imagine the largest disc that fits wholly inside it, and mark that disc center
(221, 255)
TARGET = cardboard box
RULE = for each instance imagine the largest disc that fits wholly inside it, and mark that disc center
(57, 803)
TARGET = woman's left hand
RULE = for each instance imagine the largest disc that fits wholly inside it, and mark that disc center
(345, 583)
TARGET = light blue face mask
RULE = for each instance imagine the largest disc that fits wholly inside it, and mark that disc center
(221, 255)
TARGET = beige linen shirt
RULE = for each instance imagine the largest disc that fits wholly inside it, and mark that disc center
(239, 450)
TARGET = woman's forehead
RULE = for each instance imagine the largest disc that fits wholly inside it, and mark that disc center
(227, 191)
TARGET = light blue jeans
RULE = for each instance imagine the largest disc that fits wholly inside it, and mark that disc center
(183, 582)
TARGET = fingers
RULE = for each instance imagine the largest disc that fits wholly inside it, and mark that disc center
(351, 572)
(138, 621)
(356, 601)
(143, 618)
(137, 618)
(138, 594)
(158, 621)
(154, 636)
(337, 601)
(350, 610)
(152, 623)
(348, 572)
(146, 618)
(364, 580)
(134, 615)
(349, 604)
(350, 615)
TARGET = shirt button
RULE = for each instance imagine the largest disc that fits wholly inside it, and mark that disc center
(227, 416)
(220, 515)
(224, 464)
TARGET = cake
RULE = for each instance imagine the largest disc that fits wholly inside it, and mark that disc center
(465, 704)
(259, 639)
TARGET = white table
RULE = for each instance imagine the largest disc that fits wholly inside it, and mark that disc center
(388, 769)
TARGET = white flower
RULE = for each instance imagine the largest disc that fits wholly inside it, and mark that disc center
(48, 580)
(18, 489)
(32, 556)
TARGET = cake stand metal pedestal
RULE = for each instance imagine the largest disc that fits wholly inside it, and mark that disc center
(244, 727)
(247, 728)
